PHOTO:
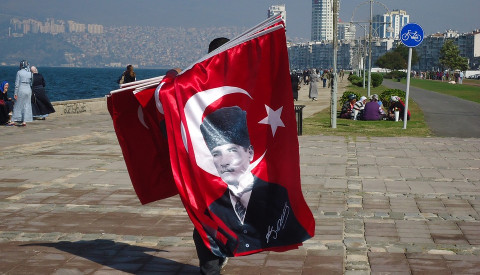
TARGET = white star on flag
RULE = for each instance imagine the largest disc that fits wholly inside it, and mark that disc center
(273, 119)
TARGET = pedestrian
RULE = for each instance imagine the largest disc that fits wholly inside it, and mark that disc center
(22, 110)
(325, 77)
(6, 104)
(358, 108)
(210, 264)
(347, 107)
(372, 110)
(127, 76)
(41, 105)
(396, 104)
(313, 91)
(295, 85)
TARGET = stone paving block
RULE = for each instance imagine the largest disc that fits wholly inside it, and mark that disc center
(368, 171)
(388, 262)
(335, 183)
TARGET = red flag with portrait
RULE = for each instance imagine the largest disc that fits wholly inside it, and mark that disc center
(251, 79)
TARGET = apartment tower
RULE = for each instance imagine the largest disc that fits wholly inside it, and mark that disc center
(396, 19)
(322, 20)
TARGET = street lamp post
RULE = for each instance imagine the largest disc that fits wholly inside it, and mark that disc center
(370, 28)
(333, 100)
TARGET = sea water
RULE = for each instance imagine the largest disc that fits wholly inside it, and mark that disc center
(77, 83)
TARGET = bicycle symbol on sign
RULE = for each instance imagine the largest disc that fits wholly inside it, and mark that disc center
(409, 35)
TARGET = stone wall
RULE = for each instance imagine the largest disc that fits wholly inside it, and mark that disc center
(74, 107)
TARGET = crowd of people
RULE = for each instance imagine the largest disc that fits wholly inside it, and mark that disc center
(374, 109)
(454, 77)
(311, 77)
(354, 108)
(29, 102)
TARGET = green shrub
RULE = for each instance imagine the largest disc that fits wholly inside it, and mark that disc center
(387, 94)
(356, 80)
(345, 95)
(352, 77)
(395, 75)
(377, 79)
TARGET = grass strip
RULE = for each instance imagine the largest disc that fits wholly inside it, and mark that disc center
(319, 123)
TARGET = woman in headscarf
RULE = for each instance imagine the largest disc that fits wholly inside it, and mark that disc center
(22, 110)
(396, 104)
(41, 105)
(313, 91)
(6, 103)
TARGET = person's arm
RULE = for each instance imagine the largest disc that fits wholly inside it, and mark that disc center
(17, 84)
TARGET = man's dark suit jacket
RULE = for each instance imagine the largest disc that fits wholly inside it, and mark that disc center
(269, 222)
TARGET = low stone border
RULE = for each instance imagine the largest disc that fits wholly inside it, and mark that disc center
(81, 106)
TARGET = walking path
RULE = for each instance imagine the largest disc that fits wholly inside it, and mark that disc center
(381, 205)
(447, 116)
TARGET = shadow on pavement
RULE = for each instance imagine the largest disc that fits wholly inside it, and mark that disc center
(120, 256)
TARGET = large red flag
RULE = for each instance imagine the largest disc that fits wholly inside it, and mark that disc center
(142, 137)
(238, 105)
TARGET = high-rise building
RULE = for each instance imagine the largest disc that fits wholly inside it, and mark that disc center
(278, 9)
(345, 32)
(322, 20)
(396, 19)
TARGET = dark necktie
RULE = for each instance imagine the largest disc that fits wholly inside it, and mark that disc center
(240, 209)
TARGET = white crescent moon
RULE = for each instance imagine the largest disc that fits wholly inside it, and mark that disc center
(140, 117)
(157, 99)
(194, 109)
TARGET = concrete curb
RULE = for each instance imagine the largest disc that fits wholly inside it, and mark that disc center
(75, 107)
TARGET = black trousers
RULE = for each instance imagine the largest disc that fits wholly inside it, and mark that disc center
(209, 262)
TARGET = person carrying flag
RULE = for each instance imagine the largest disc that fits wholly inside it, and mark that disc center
(240, 200)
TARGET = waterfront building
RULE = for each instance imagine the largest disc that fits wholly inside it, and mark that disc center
(429, 50)
(51, 26)
(345, 32)
(318, 54)
(299, 55)
(278, 9)
(95, 29)
(322, 20)
(73, 26)
(351, 54)
(396, 19)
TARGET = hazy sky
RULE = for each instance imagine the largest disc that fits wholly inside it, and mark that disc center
(432, 15)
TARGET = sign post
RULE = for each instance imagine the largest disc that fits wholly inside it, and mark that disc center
(411, 36)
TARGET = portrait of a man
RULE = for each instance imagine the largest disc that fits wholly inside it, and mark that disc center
(257, 213)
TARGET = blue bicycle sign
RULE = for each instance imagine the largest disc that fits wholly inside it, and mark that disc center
(411, 35)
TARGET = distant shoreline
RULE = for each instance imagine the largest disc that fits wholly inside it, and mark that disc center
(75, 67)
(75, 83)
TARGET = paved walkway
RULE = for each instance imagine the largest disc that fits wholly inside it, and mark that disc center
(446, 115)
(382, 206)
